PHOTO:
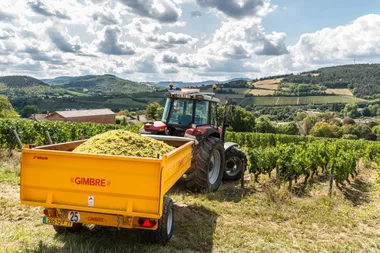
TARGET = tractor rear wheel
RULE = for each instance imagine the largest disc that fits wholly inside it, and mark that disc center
(207, 166)
(234, 164)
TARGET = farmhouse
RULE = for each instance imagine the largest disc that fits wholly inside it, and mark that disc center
(103, 116)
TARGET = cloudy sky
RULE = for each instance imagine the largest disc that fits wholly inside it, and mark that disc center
(188, 40)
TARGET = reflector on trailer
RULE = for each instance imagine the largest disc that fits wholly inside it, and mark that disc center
(147, 223)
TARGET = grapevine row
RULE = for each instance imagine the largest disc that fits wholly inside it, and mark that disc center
(34, 132)
(296, 156)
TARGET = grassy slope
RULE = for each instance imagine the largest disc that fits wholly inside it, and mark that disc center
(257, 219)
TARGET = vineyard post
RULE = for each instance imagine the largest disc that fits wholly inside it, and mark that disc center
(331, 178)
(17, 138)
(242, 173)
(332, 171)
(48, 137)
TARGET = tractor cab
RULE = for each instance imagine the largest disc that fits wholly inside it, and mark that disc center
(191, 114)
(188, 109)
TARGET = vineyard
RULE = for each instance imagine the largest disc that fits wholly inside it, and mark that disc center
(295, 156)
(290, 157)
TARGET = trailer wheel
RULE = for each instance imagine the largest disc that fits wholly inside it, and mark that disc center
(165, 225)
(234, 164)
(207, 166)
(63, 230)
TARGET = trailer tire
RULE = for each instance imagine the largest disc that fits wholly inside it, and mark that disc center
(64, 230)
(207, 166)
(165, 225)
(234, 164)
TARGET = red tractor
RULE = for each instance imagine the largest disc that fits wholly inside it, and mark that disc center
(190, 113)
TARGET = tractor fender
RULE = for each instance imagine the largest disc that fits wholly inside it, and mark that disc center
(211, 132)
(228, 145)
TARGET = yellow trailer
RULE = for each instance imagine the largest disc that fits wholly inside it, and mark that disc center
(106, 190)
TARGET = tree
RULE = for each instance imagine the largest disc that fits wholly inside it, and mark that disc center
(159, 112)
(291, 129)
(376, 130)
(263, 125)
(29, 110)
(366, 112)
(240, 119)
(324, 129)
(375, 110)
(300, 116)
(351, 110)
(362, 130)
(348, 121)
(308, 123)
(6, 108)
(370, 137)
(152, 111)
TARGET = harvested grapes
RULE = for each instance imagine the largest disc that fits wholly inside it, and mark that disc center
(124, 143)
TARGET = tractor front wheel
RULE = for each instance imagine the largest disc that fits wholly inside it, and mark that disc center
(207, 166)
(234, 164)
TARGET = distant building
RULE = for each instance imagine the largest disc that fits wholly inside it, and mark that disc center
(275, 123)
(38, 117)
(103, 116)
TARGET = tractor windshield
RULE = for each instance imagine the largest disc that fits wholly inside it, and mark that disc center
(180, 112)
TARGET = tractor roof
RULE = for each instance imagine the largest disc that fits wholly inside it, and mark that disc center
(193, 94)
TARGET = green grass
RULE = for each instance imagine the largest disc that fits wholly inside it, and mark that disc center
(298, 100)
(9, 167)
(260, 218)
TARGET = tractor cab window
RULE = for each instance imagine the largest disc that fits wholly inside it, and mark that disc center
(181, 112)
(201, 112)
(166, 110)
(213, 114)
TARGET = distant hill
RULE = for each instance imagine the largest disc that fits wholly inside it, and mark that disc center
(98, 84)
(180, 84)
(26, 87)
(20, 81)
(61, 80)
(362, 79)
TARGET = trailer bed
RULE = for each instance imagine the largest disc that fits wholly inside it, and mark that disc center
(54, 177)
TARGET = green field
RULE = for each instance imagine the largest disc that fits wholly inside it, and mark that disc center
(298, 100)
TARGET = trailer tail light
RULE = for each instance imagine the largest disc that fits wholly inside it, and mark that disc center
(48, 212)
(148, 223)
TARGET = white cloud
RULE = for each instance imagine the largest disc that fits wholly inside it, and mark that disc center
(111, 44)
(43, 8)
(63, 41)
(239, 9)
(165, 11)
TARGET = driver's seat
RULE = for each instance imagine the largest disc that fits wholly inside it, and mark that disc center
(184, 119)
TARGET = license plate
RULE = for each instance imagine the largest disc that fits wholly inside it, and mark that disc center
(57, 221)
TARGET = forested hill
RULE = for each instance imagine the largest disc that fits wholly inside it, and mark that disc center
(20, 81)
(102, 84)
(362, 79)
